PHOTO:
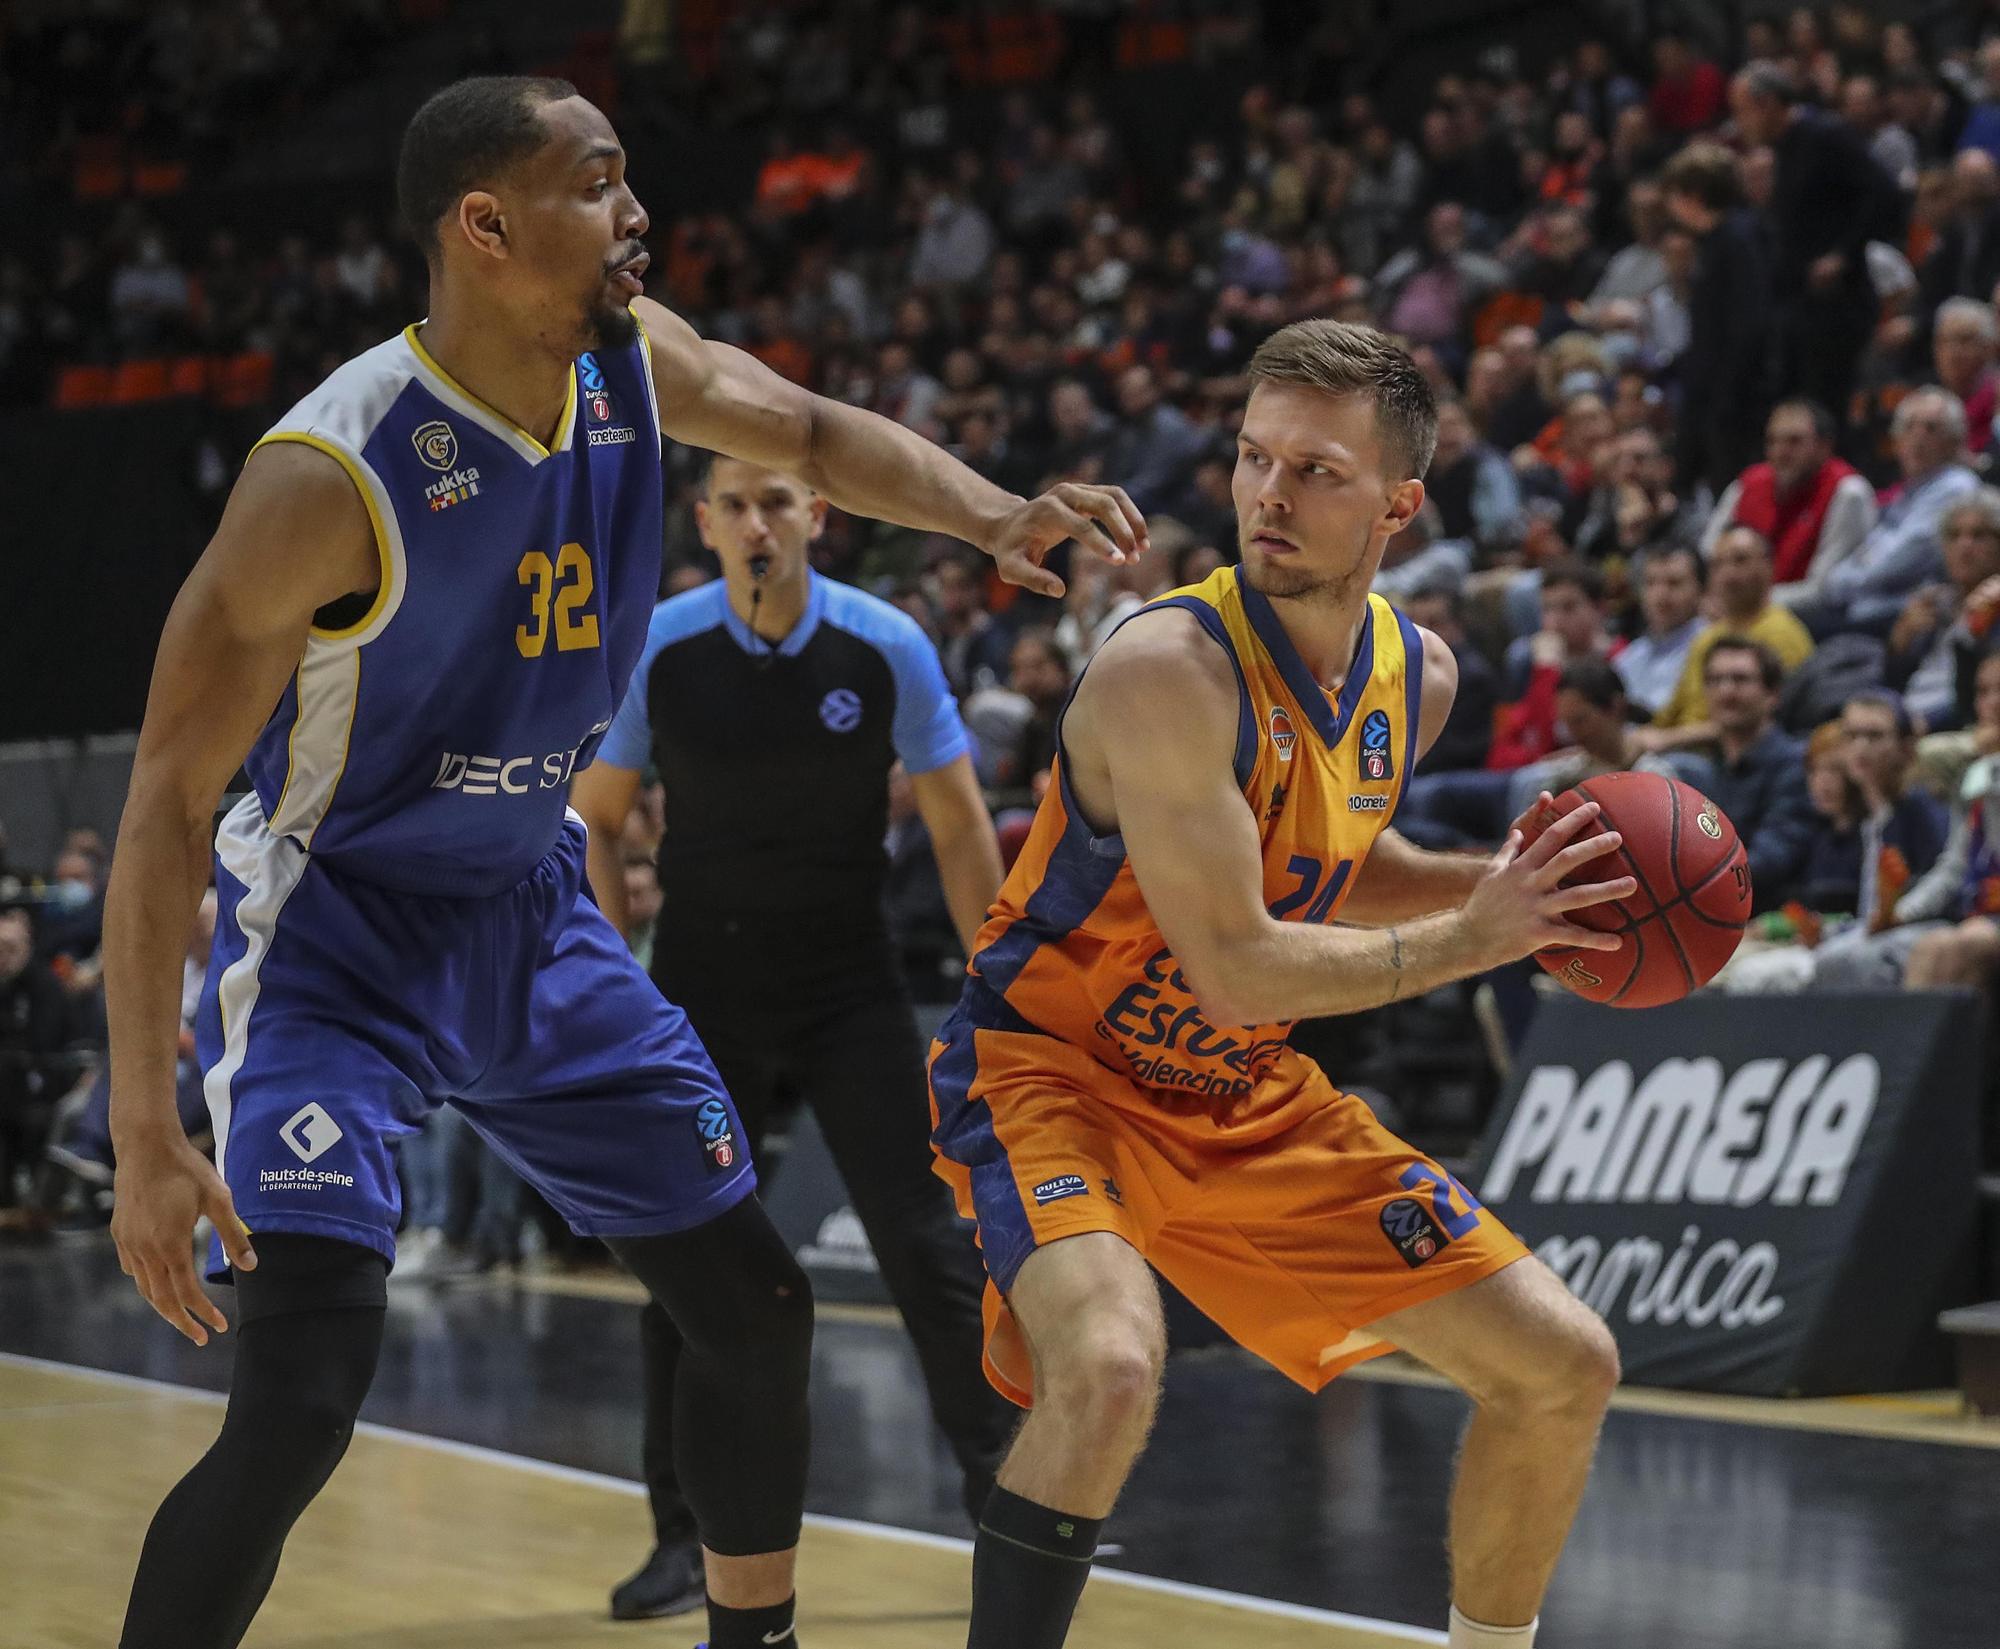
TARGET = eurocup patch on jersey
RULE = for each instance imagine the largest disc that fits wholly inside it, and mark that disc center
(1414, 1234)
(597, 398)
(718, 1136)
(1283, 734)
(1375, 765)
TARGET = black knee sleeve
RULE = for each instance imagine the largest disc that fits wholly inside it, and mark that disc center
(741, 1428)
(309, 1332)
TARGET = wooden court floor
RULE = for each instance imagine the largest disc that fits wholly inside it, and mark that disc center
(418, 1544)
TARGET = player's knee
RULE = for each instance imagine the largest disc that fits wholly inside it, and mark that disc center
(1107, 1373)
(1569, 1372)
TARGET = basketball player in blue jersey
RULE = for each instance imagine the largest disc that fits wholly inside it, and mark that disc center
(439, 568)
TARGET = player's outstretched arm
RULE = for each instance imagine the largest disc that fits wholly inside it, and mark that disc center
(1154, 728)
(294, 537)
(718, 397)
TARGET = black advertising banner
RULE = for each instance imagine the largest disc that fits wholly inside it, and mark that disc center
(1762, 1195)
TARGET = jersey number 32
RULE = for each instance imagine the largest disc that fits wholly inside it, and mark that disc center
(565, 583)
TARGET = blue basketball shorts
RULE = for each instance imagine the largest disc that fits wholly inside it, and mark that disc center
(339, 1013)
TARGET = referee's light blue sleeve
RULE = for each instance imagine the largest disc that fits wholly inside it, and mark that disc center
(629, 740)
(928, 733)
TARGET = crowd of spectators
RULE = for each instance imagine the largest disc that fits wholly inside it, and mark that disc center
(1714, 339)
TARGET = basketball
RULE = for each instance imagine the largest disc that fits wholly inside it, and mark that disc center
(1693, 899)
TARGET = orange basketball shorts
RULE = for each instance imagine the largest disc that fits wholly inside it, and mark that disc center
(1293, 1233)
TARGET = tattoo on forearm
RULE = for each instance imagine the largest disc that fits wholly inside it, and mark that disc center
(1396, 963)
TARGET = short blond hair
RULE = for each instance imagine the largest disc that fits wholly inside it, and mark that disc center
(1341, 358)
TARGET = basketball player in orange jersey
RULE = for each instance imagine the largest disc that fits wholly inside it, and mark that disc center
(1115, 1086)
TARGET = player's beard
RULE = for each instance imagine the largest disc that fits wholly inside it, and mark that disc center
(1291, 580)
(611, 326)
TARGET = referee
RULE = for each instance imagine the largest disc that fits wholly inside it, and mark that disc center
(774, 703)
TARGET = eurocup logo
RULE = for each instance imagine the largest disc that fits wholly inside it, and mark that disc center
(840, 710)
(1375, 747)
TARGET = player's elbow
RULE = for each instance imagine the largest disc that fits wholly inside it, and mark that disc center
(1221, 976)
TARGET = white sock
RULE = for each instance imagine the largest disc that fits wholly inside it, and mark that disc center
(1469, 1634)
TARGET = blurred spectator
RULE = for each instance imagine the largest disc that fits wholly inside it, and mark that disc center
(1638, 267)
(1867, 589)
(1813, 508)
(1650, 665)
(973, 648)
(362, 265)
(1573, 628)
(1982, 121)
(1155, 444)
(1965, 262)
(1890, 146)
(1040, 671)
(1427, 294)
(1473, 485)
(1759, 775)
(1082, 432)
(1739, 588)
(1962, 947)
(1418, 559)
(1468, 728)
(72, 916)
(1633, 510)
(1830, 200)
(149, 295)
(1594, 715)
(1937, 638)
(1594, 88)
(84, 1148)
(1964, 342)
(955, 241)
(1043, 188)
(38, 1037)
(1725, 371)
(1687, 90)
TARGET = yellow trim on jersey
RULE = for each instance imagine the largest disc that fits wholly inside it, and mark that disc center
(354, 474)
(564, 424)
(646, 366)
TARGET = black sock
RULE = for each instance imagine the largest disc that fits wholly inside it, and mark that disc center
(751, 1628)
(1028, 1569)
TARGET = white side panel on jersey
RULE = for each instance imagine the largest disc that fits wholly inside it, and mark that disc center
(329, 687)
(269, 867)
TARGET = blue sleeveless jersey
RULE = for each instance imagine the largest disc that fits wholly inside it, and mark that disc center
(429, 746)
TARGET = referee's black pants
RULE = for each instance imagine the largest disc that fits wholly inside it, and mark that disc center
(836, 1033)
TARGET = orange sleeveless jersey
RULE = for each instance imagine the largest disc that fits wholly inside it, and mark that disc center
(1073, 950)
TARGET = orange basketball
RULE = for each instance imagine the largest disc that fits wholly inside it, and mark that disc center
(1693, 899)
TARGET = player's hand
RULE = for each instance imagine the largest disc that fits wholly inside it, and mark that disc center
(1102, 519)
(1519, 905)
(159, 1193)
(1540, 814)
